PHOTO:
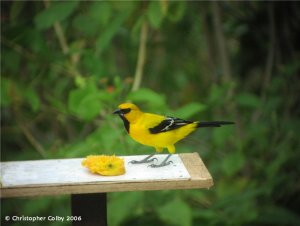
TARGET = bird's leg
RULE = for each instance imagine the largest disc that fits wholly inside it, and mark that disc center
(164, 163)
(145, 160)
(158, 149)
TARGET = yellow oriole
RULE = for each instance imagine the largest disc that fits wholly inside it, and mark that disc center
(158, 131)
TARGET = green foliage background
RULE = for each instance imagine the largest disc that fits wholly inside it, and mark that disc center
(66, 65)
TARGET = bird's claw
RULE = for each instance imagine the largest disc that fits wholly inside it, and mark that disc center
(143, 161)
(160, 165)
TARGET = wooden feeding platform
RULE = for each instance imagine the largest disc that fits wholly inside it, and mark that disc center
(68, 176)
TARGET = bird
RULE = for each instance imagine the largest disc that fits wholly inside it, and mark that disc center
(158, 131)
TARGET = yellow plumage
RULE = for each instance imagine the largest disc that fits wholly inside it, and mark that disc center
(139, 131)
(141, 122)
(156, 130)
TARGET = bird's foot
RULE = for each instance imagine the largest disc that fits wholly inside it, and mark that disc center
(145, 160)
(163, 163)
(160, 165)
(142, 161)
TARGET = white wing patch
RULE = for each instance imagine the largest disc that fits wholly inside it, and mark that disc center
(170, 123)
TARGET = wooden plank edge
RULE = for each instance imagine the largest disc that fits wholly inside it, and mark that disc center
(196, 168)
(101, 188)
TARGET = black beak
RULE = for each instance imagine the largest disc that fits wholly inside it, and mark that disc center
(122, 112)
(118, 112)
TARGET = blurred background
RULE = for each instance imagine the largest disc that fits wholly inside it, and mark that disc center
(66, 65)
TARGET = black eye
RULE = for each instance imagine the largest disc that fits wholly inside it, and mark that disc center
(126, 110)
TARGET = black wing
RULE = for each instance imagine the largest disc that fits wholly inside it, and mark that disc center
(168, 124)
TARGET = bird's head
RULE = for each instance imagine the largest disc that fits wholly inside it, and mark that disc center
(128, 111)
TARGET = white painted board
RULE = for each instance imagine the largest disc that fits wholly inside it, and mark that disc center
(70, 171)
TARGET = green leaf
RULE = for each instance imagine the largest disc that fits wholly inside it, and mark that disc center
(221, 135)
(232, 163)
(93, 63)
(80, 81)
(99, 13)
(83, 24)
(189, 110)
(176, 10)
(57, 11)
(148, 96)
(122, 206)
(249, 100)
(154, 14)
(107, 35)
(32, 98)
(175, 212)
(85, 102)
(103, 140)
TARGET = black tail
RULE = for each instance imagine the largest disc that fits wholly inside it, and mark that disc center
(213, 124)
